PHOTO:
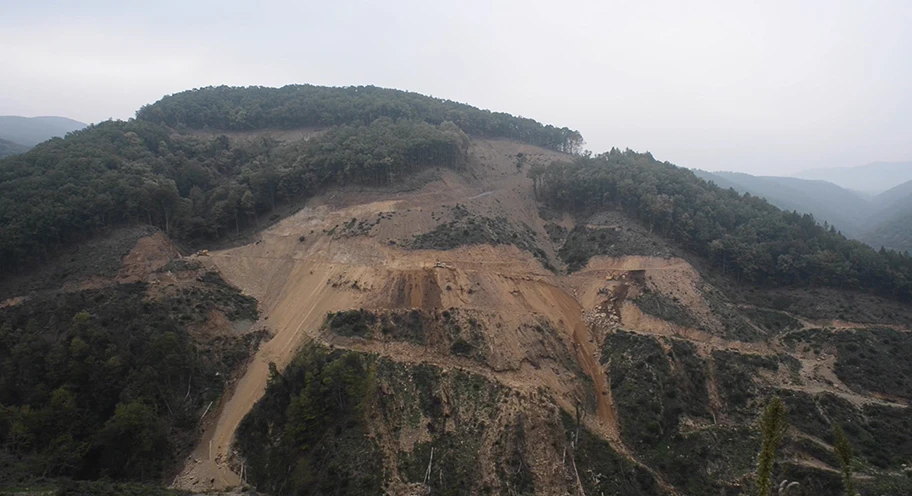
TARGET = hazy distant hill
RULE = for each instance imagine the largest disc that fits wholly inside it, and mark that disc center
(894, 195)
(29, 131)
(8, 148)
(878, 220)
(826, 201)
(873, 178)
(894, 233)
(891, 222)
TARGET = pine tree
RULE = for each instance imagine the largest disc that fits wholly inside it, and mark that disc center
(773, 425)
(843, 451)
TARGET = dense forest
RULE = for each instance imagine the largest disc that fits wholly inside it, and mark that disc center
(296, 106)
(309, 433)
(194, 188)
(108, 383)
(744, 236)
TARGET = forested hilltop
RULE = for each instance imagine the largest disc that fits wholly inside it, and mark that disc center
(294, 106)
(742, 235)
(203, 187)
(194, 188)
(200, 188)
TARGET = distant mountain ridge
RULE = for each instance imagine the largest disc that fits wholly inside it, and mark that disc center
(824, 200)
(873, 178)
(883, 220)
(893, 228)
(29, 131)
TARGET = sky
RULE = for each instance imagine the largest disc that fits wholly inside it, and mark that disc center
(764, 87)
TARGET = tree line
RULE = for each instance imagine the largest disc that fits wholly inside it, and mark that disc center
(742, 235)
(194, 187)
(296, 106)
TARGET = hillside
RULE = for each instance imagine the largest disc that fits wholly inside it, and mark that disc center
(891, 224)
(397, 304)
(29, 131)
(883, 220)
(894, 195)
(826, 201)
(873, 178)
(474, 347)
(8, 148)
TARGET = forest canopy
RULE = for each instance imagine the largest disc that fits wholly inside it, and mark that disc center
(203, 187)
(194, 187)
(742, 235)
(296, 106)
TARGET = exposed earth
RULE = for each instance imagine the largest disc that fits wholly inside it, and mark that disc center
(618, 353)
(350, 249)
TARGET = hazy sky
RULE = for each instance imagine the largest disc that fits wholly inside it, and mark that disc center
(762, 87)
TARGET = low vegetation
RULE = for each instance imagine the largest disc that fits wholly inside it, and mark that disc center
(738, 379)
(871, 360)
(453, 331)
(601, 469)
(654, 392)
(658, 305)
(468, 229)
(771, 320)
(584, 242)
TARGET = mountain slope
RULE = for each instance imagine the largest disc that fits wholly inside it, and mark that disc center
(199, 187)
(8, 148)
(745, 235)
(873, 178)
(891, 223)
(893, 195)
(29, 131)
(475, 346)
(826, 201)
(446, 310)
(881, 220)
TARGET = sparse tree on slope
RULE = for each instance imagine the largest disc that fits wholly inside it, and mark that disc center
(773, 425)
(843, 451)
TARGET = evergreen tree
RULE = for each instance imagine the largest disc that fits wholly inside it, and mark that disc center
(773, 426)
(843, 451)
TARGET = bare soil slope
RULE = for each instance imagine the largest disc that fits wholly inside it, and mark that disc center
(350, 249)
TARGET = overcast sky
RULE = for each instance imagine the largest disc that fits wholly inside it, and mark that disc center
(764, 87)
